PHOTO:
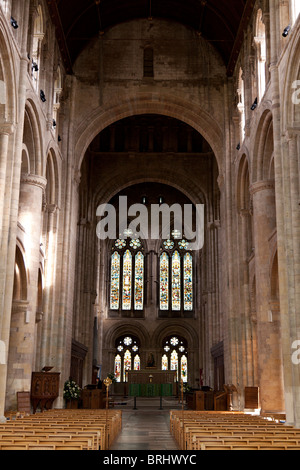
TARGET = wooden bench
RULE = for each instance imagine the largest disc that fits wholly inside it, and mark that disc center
(90, 429)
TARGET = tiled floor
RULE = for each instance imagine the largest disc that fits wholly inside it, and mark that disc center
(147, 428)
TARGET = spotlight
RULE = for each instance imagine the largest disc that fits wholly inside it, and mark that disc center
(35, 66)
(238, 147)
(14, 23)
(286, 31)
(59, 138)
(43, 97)
(54, 123)
(254, 105)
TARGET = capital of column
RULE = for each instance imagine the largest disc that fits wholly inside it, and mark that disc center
(20, 306)
(34, 180)
(7, 128)
(261, 186)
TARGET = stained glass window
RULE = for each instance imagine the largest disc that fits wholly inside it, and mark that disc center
(184, 368)
(118, 368)
(174, 361)
(164, 362)
(139, 282)
(127, 275)
(127, 356)
(188, 282)
(127, 364)
(115, 282)
(135, 244)
(176, 295)
(127, 341)
(164, 282)
(137, 362)
(175, 357)
(176, 276)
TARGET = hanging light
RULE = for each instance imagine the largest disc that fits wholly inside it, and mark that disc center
(286, 31)
(14, 23)
(253, 107)
(43, 97)
(35, 66)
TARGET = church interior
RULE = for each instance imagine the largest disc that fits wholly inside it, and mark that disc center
(113, 112)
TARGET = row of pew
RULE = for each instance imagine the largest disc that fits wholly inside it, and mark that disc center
(197, 430)
(61, 430)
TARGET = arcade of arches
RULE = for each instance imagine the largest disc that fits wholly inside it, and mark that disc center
(153, 111)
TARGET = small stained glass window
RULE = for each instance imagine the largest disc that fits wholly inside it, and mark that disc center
(164, 362)
(135, 244)
(127, 341)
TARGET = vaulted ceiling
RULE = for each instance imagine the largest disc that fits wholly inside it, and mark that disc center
(221, 22)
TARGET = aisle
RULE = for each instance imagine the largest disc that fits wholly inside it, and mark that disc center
(145, 429)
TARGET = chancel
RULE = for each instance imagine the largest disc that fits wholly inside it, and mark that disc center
(149, 224)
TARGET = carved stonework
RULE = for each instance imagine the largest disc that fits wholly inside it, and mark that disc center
(261, 186)
(34, 180)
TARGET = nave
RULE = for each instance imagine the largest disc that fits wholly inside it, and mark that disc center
(147, 428)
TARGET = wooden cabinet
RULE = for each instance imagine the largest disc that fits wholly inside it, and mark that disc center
(44, 389)
(92, 399)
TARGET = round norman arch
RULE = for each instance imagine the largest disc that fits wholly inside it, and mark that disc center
(149, 103)
(116, 331)
(263, 147)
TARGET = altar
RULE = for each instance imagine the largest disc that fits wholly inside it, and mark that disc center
(152, 383)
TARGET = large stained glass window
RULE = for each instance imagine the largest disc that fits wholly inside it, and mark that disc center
(176, 281)
(188, 282)
(164, 282)
(175, 356)
(127, 276)
(139, 282)
(176, 277)
(115, 282)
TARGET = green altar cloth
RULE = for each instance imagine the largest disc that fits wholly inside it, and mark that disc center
(150, 390)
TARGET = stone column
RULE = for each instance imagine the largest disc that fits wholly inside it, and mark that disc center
(270, 371)
(21, 361)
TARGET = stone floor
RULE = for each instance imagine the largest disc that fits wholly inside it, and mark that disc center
(147, 427)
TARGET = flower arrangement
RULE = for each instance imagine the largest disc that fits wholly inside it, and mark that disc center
(71, 390)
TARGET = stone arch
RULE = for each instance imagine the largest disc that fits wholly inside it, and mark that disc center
(113, 333)
(243, 184)
(149, 103)
(291, 85)
(8, 106)
(274, 278)
(20, 276)
(174, 327)
(261, 53)
(32, 138)
(263, 147)
(52, 191)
